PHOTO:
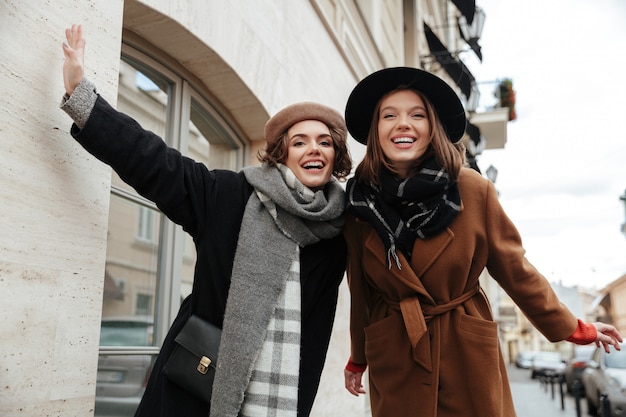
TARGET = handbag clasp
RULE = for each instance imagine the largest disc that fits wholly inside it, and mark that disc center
(203, 365)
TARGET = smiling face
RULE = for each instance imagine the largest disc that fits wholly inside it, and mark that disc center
(403, 130)
(310, 153)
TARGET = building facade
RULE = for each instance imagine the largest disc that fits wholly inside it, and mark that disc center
(610, 305)
(91, 274)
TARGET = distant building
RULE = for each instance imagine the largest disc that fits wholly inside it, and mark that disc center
(517, 333)
(610, 305)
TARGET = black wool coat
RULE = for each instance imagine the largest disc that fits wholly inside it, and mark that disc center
(209, 205)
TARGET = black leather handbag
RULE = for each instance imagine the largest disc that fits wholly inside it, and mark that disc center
(192, 364)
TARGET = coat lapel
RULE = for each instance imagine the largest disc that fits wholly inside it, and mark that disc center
(424, 255)
(412, 313)
(426, 252)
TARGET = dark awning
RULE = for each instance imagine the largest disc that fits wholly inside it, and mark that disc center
(473, 132)
(453, 66)
(112, 291)
(603, 300)
(467, 8)
(471, 161)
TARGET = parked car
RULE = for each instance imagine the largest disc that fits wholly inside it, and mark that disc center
(576, 365)
(546, 363)
(605, 374)
(122, 379)
(525, 359)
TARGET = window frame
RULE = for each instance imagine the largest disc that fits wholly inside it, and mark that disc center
(171, 252)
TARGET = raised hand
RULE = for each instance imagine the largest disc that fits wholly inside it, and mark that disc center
(74, 51)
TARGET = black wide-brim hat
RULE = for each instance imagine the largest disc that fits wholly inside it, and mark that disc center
(365, 96)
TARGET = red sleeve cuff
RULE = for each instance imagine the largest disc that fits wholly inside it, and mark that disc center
(355, 367)
(584, 334)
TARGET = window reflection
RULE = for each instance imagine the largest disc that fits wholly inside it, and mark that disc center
(138, 244)
(122, 378)
(132, 260)
(207, 142)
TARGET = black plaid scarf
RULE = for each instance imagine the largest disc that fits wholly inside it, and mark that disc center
(401, 210)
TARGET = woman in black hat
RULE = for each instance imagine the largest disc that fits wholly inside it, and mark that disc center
(270, 250)
(420, 229)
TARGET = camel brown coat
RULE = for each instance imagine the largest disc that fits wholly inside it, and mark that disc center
(426, 330)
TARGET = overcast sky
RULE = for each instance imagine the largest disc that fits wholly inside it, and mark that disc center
(563, 169)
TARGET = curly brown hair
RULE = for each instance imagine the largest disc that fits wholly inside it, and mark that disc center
(277, 150)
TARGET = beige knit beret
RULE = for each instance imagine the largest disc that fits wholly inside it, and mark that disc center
(298, 112)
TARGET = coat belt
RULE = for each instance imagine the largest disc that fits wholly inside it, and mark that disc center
(416, 316)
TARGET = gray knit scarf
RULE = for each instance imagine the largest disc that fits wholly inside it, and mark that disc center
(287, 216)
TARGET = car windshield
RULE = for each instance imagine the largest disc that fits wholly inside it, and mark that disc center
(584, 352)
(616, 359)
(125, 333)
(548, 357)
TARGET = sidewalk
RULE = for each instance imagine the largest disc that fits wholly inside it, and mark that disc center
(532, 399)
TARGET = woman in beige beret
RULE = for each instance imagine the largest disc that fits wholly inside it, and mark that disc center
(270, 250)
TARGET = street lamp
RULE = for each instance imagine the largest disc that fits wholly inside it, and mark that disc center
(471, 33)
(492, 173)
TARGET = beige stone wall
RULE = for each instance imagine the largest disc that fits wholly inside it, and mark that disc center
(279, 49)
(53, 212)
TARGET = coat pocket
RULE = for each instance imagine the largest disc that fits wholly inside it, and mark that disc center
(387, 347)
(479, 347)
(476, 326)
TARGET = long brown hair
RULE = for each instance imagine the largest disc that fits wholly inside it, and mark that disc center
(449, 155)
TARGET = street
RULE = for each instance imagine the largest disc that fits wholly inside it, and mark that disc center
(532, 399)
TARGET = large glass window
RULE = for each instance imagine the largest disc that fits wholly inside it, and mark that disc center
(150, 261)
